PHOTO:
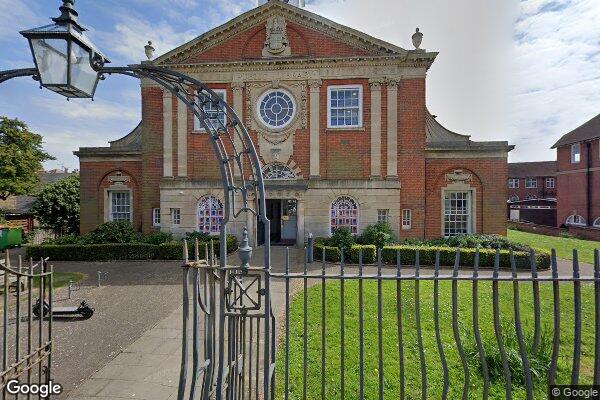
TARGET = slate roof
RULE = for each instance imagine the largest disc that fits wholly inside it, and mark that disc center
(440, 138)
(532, 169)
(128, 144)
(588, 131)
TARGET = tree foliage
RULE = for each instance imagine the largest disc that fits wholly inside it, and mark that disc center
(21, 158)
(57, 205)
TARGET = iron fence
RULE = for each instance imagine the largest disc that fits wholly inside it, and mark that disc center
(29, 342)
(343, 317)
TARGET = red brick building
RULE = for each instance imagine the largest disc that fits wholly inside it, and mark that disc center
(339, 119)
(578, 161)
(532, 192)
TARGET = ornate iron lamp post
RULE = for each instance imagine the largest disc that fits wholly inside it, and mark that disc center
(68, 63)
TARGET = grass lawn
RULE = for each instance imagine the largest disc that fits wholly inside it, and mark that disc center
(411, 352)
(564, 246)
(62, 279)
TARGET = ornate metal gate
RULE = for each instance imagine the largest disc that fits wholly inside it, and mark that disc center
(26, 345)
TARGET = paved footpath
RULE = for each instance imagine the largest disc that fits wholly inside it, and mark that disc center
(149, 368)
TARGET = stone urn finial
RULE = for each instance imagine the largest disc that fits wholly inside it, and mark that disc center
(245, 251)
(417, 39)
(149, 50)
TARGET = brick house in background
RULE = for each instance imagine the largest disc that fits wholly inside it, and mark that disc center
(578, 161)
(532, 192)
(339, 119)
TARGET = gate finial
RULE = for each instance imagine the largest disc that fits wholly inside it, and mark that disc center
(245, 251)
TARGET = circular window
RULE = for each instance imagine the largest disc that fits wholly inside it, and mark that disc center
(276, 109)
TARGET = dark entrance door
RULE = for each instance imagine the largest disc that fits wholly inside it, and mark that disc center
(274, 216)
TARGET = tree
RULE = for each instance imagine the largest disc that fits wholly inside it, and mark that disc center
(21, 158)
(57, 206)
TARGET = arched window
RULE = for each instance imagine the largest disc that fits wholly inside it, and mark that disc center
(210, 215)
(576, 220)
(344, 212)
(276, 172)
(514, 198)
(597, 223)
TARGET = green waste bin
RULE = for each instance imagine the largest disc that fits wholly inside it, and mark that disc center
(10, 237)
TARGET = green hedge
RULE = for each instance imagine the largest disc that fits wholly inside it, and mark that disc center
(120, 251)
(333, 254)
(427, 256)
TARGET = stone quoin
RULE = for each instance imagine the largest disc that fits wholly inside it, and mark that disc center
(340, 122)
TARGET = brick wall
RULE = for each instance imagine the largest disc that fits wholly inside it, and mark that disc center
(152, 148)
(541, 192)
(491, 196)
(94, 180)
(581, 233)
(572, 183)
(411, 152)
(303, 41)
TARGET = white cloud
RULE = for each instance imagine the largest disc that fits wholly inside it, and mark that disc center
(557, 49)
(90, 111)
(16, 16)
(524, 71)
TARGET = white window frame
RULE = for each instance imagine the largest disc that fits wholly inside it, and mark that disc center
(513, 183)
(360, 106)
(470, 207)
(156, 217)
(294, 110)
(596, 223)
(576, 153)
(110, 204)
(383, 215)
(223, 94)
(529, 181)
(571, 220)
(514, 198)
(175, 216)
(548, 180)
(406, 219)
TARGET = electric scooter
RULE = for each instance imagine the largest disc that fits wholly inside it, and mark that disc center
(83, 310)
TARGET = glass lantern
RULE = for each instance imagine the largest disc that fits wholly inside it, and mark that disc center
(66, 60)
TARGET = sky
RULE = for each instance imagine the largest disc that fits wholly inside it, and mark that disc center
(524, 71)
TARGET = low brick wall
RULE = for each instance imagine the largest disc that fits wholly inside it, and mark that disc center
(581, 233)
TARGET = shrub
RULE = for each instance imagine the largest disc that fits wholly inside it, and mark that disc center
(113, 232)
(380, 234)
(94, 252)
(342, 238)
(472, 241)
(158, 238)
(467, 257)
(65, 239)
(201, 236)
(334, 254)
(120, 251)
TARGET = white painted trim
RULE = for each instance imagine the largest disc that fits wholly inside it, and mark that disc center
(260, 100)
(573, 147)
(360, 106)
(596, 223)
(154, 223)
(528, 186)
(108, 202)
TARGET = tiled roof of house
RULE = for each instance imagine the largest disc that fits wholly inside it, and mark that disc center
(532, 169)
(588, 131)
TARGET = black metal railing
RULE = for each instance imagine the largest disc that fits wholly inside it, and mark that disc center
(26, 345)
(381, 331)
